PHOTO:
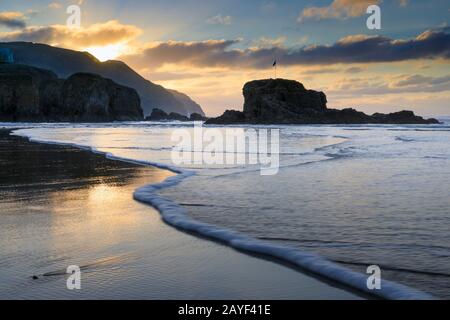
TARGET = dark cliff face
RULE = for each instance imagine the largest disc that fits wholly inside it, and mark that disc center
(32, 94)
(280, 101)
(20, 91)
(67, 62)
(88, 96)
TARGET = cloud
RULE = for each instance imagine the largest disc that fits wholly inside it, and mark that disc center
(417, 79)
(338, 9)
(354, 70)
(165, 76)
(55, 5)
(341, 9)
(406, 84)
(266, 42)
(219, 19)
(268, 6)
(209, 53)
(101, 34)
(12, 19)
(431, 44)
(320, 71)
(32, 13)
(328, 70)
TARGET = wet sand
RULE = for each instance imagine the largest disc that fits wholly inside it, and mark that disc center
(62, 206)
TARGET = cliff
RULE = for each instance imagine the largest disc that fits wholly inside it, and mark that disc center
(64, 63)
(33, 94)
(280, 101)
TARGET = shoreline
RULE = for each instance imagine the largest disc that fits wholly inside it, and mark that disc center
(232, 271)
(175, 216)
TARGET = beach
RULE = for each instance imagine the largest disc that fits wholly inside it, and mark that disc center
(345, 197)
(189, 151)
(62, 206)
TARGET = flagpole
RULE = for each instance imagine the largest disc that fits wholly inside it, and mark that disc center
(275, 66)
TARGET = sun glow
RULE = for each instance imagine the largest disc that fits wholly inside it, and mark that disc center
(106, 52)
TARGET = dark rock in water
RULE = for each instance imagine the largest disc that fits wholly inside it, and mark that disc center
(177, 116)
(33, 94)
(230, 117)
(280, 101)
(402, 117)
(160, 115)
(276, 100)
(197, 117)
(157, 115)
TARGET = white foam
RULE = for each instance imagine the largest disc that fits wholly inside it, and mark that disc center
(176, 216)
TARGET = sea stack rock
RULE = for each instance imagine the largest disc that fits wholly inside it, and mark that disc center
(280, 101)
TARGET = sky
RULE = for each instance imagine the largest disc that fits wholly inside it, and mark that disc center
(210, 49)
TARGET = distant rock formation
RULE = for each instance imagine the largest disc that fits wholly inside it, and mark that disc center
(157, 115)
(160, 115)
(34, 94)
(280, 101)
(65, 62)
(197, 117)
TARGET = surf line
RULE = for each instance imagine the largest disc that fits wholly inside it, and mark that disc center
(176, 216)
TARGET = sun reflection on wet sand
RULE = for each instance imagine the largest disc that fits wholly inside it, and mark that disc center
(62, 206)
(99, 212)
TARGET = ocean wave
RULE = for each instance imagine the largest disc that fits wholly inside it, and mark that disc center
(403, 139)
(175, 215)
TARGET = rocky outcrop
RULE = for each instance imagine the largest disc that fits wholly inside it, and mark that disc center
(64, 63)
(157, 115)
(230, 117)
(177, 117)
(160, 115)
(33, 94)
(402, 117)
(197, 117)
(279, 101)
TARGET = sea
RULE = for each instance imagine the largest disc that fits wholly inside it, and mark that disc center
(345, 197)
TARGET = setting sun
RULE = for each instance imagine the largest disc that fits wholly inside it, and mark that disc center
(105, 53)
